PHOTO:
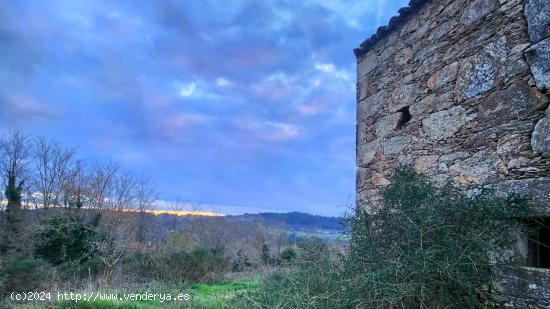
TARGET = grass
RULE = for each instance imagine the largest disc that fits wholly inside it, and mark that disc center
(216, 295)
(203, 296)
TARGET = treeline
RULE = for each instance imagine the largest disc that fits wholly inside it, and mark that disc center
(65, 224)
(41, 173)
(297, 220)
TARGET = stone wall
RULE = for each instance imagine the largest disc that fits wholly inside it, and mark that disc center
(458, 89)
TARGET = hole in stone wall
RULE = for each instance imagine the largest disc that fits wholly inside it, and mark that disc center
(405, 117)
(538, 254)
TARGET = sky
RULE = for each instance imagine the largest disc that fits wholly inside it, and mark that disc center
(238, 106)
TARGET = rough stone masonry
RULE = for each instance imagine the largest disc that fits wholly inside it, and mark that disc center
(459, 89)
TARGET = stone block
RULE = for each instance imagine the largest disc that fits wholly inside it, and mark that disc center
(396, 145)
(370, 105)
(540, 139)
(478, 73)
(459, 155)
(361, 134)
(519, 101)
(536, 189)
(443, 29)
(537, 13)
(367, 65)
(525, 283)
(424, 106)
(477, 10)
(379, 180)
(403, 96)
(443, 76)
(510, 145)
(361, 178)
(366, 153)
(413, 37)
(443, 124)
(424, 163)
(388, 124)
(538, 57)
(475, 170)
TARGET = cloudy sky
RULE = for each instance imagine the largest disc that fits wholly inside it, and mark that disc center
(241, 106)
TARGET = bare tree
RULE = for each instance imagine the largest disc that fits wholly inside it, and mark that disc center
(279, 238)
(109, 253)
(14, 154)
(13, 166)
(74, 186)
(176, 206)
(100, 182)
(122, 191)
(121, 198)
(51, 170)
(145, 197)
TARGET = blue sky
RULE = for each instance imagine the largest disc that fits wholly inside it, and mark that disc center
(241, 106)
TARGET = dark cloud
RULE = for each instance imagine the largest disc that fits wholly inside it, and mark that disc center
(19, 55)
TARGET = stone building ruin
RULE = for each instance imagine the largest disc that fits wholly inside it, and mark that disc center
(460, 89)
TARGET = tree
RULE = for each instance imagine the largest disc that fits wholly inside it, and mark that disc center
(100, 183)
(13, 208)
(266, 256)
(145, 197)
(176, 206)
(13, 156)
(51, 170)
(75, 195)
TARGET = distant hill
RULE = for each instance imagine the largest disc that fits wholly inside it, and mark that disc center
(295, 221)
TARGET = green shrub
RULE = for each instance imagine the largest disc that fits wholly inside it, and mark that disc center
(177, 265)
(207, 264)
(429, 246)
(141, 265)
(67, 238)
(423, 247)
(311, 249)
(288, 255)
(309, 285)
(241, 261)
(23, 274)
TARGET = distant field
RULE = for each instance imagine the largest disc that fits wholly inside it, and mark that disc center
(203, 296)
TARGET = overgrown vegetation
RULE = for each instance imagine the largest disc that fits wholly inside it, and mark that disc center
(67, 228)
(68, 225)
(421, 247)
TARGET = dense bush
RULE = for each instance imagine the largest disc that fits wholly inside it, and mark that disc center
(311, 249)
(431, 246)
(207, 264)
(241, 261)
(423, 247)
(288, 255)
(67, 238)
(23, 274)
(178, 265)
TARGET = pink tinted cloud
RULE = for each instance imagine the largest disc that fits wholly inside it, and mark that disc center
(25, 107)
(268, 131)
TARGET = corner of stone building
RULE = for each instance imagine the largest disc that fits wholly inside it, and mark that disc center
(460, 91)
